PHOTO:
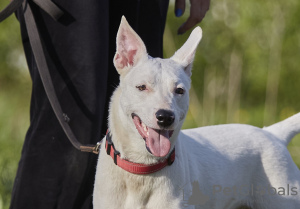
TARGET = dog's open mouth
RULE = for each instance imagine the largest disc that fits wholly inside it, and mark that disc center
(157, 140)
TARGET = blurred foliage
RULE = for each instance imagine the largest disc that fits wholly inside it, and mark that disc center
(246, 68)
(245, 71)
(15, 90)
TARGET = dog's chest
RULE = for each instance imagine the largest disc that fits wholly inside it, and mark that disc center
(116, 188)
(146, 191)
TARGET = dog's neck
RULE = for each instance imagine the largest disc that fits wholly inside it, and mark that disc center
(125, 135)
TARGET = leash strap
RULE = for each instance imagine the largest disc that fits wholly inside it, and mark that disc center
(10, 8)
(135, 168)
(38, 52)
(48, 6)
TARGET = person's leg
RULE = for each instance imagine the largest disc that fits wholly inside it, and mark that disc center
(52, 173)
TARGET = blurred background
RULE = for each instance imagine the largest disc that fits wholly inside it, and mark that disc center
(246, 71)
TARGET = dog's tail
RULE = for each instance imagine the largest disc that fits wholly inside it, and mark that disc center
(286, 129)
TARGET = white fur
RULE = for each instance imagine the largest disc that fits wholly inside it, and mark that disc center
(227, 158)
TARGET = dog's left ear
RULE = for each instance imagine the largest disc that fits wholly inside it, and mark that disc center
(185, 55)
(130, 48)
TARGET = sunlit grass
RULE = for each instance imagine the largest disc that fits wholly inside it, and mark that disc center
(14, 121)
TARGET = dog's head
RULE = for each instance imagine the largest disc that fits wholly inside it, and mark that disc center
(154, 92)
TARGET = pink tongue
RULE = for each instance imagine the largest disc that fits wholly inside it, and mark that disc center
(158, 142)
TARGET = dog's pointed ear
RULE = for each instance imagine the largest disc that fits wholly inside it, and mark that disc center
(130, 48)
(185, 55)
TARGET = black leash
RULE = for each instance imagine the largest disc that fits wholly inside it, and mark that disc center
(11, 8)
(38, 52)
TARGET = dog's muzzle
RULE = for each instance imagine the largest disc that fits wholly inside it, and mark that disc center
(157, 141)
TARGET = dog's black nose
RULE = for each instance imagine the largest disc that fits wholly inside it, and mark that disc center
(165, 118)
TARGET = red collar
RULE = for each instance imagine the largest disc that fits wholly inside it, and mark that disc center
(132, 167)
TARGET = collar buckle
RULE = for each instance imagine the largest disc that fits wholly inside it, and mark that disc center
(116, 153)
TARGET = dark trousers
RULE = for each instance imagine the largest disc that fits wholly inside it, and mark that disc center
(79, 51)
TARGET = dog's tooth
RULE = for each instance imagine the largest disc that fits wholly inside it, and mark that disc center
(144, 126)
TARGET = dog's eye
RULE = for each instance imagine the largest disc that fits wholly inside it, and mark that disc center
(179, 90)
(141, 87)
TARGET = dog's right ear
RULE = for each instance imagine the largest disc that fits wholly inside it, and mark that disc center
(130, 48)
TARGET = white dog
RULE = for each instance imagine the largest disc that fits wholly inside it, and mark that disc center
(215, 167)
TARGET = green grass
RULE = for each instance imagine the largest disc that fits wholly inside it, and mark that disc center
(14, 121)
